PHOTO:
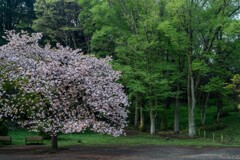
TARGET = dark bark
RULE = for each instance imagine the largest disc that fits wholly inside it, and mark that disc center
(136, 116)
(176, 112)
(54, 142)
(191, 92)
(74, 39)
(203, 110)
(152, 121)
(191, 111)
(141, 125)
(191, 84)
(219, 107)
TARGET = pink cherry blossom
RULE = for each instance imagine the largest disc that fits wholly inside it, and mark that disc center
(77, 91)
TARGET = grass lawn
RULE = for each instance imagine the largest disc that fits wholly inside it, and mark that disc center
(230, 133)
(91, 139)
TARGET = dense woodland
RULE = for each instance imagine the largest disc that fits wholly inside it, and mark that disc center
(172, 53)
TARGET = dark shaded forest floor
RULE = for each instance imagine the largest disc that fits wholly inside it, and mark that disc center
(119, 153)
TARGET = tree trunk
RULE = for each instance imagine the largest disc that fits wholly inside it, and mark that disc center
(218, 115)
(176, 112)
(152, 121)
(219, 107)
(191, 98)
(236, 99)
(191, 112)
(74, 40)
(141, 126)
(88, 44)
(54, 142)
(136, 118)
(203, 111)
(191, 86)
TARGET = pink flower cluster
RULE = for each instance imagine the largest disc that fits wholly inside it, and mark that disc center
(77, 91)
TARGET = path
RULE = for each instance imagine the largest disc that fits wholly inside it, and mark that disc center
(119, 153)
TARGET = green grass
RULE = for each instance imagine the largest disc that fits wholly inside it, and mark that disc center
(230, 133)
(92, 139)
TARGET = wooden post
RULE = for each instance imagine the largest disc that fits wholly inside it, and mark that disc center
(199, 132)
(204, 134)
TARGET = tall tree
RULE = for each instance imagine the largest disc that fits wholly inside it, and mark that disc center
(202, 22)
(147, 70)
(58, 20)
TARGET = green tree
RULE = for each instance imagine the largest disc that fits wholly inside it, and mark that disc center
(15, 14)
(58, 20)
(202, 23)
(130, 34)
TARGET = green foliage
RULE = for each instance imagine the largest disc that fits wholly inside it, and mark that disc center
(214, 85)
(150, 42)
(235, 87)
(15, 15)
(233, 28)
(58, 20)
(201, 67)
(103, 41)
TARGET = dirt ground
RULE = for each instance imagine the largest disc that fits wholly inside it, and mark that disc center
(119, 153)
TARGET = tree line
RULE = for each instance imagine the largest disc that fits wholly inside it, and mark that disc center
(170, 52)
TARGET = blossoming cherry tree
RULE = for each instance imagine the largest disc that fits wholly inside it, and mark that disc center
(76, 91)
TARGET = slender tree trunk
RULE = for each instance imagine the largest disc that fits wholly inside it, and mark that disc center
(65, 40)
(218, 115)
(236, 99)
(191, 113)
(203, 116)
(191, 98)
(152, 121)
(74, 40)
(54, 142)
(88, 44)
(203, 111)
(176, 112)
(141, 126)
(219, 107)
(191, 87)
(136, 118)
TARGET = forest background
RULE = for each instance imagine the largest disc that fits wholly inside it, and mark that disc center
(177, 57)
